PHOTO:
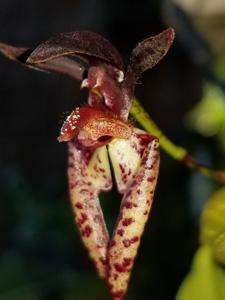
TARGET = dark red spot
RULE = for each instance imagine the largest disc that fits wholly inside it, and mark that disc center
(82, 219)
(109, 285)
(127, 261)
(120, 232)
(73, 185)
(98, 158)
(126, 243)
(128, 204)
(86, 231)
(145, 213)
(134, 239)
(134, 182)
(149, 200)
(119, 268)
(70, 154)
(101, 170)
(112, 243)
(104, 138)
(118, 294)
(115, 276)
(145, 139)
(124, 178)
(151, 179)
(123, 267)
(122, 168)
(79, 205)
(127, 221)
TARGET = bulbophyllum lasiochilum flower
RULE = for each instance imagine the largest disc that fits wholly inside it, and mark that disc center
(100, 132)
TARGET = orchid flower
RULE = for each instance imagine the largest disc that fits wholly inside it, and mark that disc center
(102, 141)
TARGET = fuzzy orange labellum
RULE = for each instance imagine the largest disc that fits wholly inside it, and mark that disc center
(93, 127)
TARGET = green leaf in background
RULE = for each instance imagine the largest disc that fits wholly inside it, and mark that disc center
(206, 280)
(208, 116)
(219, 66)
(213, 225)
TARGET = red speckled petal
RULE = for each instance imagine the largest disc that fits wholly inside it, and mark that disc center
(126, 157)
(89, 173)
(134, 212)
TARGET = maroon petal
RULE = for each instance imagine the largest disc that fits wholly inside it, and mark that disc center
(138, 180)
(146, 55)
(15, 53)
(81, 43)
(89, 173)
(62, 65)
(150, 51)
(103, 82)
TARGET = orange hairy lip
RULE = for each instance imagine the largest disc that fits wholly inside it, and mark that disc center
(90, 125)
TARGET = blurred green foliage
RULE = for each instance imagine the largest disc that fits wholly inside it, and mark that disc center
(213, 225)
(208, 116)
(206, 280)
(219, 66)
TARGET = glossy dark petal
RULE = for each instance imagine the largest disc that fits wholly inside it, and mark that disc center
(81, 43)
(63, 65)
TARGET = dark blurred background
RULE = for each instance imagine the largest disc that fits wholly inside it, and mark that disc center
(42, 257)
